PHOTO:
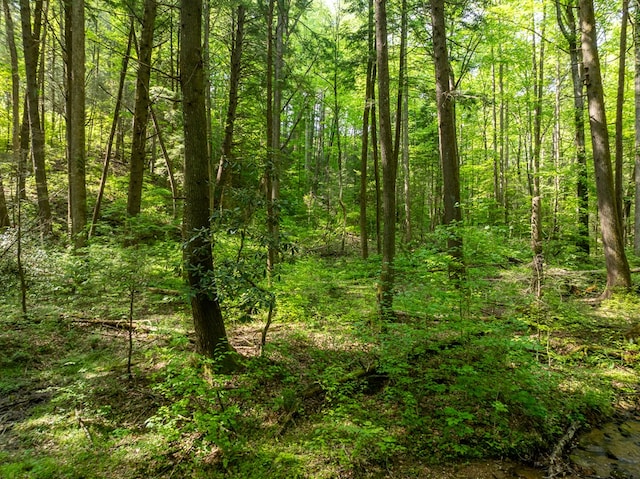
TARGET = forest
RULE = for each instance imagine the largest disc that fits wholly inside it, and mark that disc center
(319, 239)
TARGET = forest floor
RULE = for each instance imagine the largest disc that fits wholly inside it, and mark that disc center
(482, 381)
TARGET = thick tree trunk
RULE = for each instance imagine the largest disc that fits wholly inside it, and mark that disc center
(448, 142)
(30, 41)
(211, 336)
(389, 165)
(75, 42)
(225, 165)
(618, 274)
(141, 112)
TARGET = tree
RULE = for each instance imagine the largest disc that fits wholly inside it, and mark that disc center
(114, 128)
(15, 111)
(402, 121)
(141, 113)
(618, 186)
(567, 23)
(636, 46)
(75, 40)
(389, 165)
(618, 274)
(223, 177)
(30, 41)
(447, 135)
(536, 197)
(211, 336)
(364, 152)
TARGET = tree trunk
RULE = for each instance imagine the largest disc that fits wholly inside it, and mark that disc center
(376, 162)
(211, 336)
(402, 120)
(636, 46)
(167, 162)
(364, 152)
(15, 114)
(389, 165)
(225, 165)
(536, 200)
(141, 111)
(619, 187)
(567, 23)
(113, 130)
(448, 142)
(618, 274)
(270, 162)
(75, 43)
(30, 41)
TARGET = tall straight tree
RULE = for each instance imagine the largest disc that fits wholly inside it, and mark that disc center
(141, 111)
(618, 186)
(75, 41)
(447, 135)
(225, 165)
(389, 165)
(30, 42)
(618, 274)
(15, 111)
(364, 152)
(114, 128)
(402, 119)
(567, 23)
(211, 336)
(636, 47)
(536, 197)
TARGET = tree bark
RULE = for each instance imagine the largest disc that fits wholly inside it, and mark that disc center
(141, 112)
(567, 23)
(619, 187)
(636, 46)
(402, 121)
(167, 162)
(618, 274)
(364, 151)
(448, 142)
(75, 43)
(536, 200)
(15, 113)
(113, 130)
(211, 336)
(225, 165)
(389, 165)
(30, 41)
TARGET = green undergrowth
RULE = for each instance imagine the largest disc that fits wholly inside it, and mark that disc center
(477, 370)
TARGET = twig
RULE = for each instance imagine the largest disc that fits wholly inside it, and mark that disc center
(263, 339)
(84, 427)
(555, 467)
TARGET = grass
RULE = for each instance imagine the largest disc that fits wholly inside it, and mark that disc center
(483, 371)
